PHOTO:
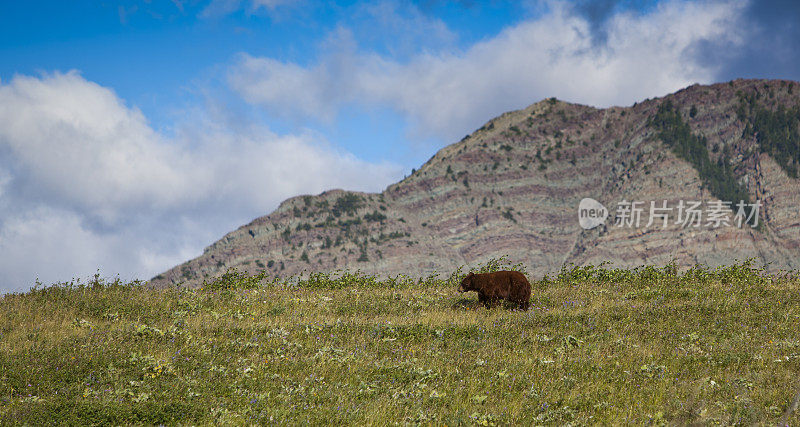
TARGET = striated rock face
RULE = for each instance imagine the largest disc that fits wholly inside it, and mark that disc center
(513, 188)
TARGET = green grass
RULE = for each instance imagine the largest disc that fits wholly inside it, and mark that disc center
(599, 346)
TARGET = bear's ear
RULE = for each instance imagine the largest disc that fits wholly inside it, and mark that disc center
(470, 274)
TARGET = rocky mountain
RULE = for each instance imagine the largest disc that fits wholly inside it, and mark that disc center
(513, 188)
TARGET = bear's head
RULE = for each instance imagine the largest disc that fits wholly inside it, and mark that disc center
(466, 284)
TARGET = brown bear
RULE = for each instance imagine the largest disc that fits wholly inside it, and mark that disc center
(507, 285)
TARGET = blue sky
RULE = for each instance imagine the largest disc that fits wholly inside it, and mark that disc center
(159, 55)
(134, 133)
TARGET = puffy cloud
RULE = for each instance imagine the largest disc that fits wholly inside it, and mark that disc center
(75, 143)
(448, 93)
(86, 183)
(287, 88)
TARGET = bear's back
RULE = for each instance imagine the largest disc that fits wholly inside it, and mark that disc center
(504, 275)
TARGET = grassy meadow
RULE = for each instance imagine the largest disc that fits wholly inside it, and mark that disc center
(648, 346)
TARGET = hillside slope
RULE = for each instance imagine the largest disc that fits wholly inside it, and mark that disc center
(513, 188)
(596, 347)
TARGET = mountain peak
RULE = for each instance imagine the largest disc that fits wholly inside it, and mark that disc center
(513, 186)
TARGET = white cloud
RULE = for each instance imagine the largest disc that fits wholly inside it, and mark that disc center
(449, 93)
(75, 141)
(85, 183)
(274, 84)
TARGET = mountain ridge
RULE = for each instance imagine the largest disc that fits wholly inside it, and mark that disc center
(512, 188)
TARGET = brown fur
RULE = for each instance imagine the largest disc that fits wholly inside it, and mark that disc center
(491, 287)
